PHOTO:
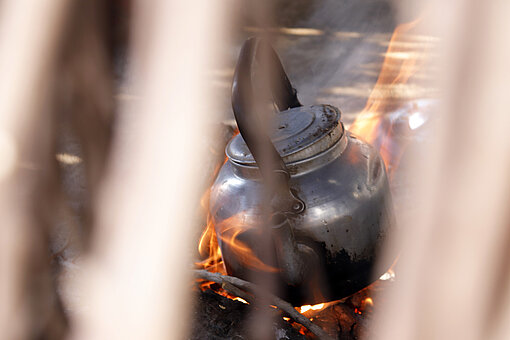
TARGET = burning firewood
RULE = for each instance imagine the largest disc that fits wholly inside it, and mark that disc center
(228, 282)
(348, 318)
(218, 317)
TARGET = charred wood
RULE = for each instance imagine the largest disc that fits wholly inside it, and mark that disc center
(216, 317)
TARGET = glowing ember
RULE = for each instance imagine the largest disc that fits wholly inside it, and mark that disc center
(389, 275)
(306, 308)
(368, 302)
(241, 300)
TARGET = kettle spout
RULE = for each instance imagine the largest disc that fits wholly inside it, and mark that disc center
(294, 260)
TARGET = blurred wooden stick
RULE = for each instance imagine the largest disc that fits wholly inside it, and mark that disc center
(454, 268)
(85, 106)
(29, 35)
(137, 277)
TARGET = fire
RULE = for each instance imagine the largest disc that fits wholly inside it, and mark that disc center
(208, 244)
(241, 300)
(406, 55)
(230, 229)
(306, 308)
(389, 275)
(208, 247)
(368, 302)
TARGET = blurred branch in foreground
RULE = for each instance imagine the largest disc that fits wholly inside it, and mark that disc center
(85, 99)
(136, 279)
(28, 45)
(454, 269)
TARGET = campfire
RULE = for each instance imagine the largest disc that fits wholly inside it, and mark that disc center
(380, 124)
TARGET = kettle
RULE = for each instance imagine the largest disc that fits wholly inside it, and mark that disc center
(327, 192)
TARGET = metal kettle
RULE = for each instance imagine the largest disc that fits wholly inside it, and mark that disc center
(327, 190)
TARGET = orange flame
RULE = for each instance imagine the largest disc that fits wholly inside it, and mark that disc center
(208, 247)
(230, 229)
(406, 54)
(368, 302)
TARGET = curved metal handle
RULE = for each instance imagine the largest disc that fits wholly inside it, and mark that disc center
(246, 108)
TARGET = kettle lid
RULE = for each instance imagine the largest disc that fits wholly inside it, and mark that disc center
(297, 133)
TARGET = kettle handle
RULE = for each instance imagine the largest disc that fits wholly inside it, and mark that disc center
(284, 95)
(273, 169)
